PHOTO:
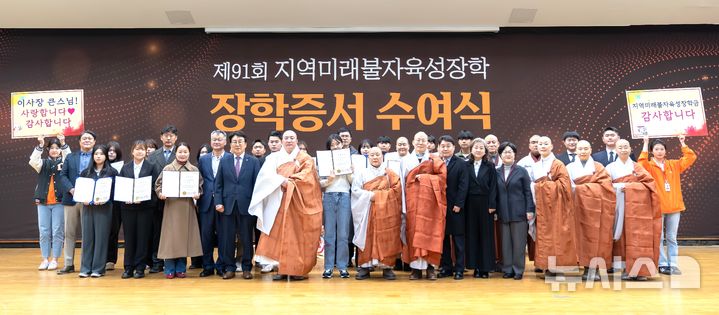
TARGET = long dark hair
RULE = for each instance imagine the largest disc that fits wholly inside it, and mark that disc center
(115, 146)
(334, 137)
(91, 166)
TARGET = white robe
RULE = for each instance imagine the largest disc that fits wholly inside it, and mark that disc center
(618, 169)
(577, 170)
(361, 203)
(267, 195)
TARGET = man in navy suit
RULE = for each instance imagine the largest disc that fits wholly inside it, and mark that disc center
(161, 157)
(209, 165)
(457, 186)
(234, 183)
(610, 136)
(570, 139)
(74, 163)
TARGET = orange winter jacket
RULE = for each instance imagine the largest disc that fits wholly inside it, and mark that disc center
(671, 201)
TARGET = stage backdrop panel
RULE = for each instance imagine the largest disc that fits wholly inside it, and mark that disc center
(512, 84)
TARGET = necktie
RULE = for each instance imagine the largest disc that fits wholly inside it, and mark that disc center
(611, 156)
(573, 156)
(446, 162)
(167, 155)
(238, 164)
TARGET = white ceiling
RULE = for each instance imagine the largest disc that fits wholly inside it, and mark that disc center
(369, 14)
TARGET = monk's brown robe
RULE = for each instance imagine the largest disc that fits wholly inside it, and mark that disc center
(385, 220)
(594, 210)
(555, 219)
(642, 221)
(295, 235)
(426, 200)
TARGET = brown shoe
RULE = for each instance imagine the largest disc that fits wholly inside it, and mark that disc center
(246, 275)
(228, 275)
(431, 273)
(415, 275)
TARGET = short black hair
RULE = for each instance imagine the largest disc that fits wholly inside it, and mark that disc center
(465, 134)
(384, 139)
(335, 137)
(261, 142)
(237, 134)
(447, 138)
(169, 128)
(89, 132)
(506, 144)
(344, 129)
(656, 142)
(274, 133)
(571, 134)
(610, 128)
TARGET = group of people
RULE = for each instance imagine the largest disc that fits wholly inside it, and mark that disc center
(444, 207)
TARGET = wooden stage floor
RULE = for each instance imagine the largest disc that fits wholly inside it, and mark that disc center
(25, 290)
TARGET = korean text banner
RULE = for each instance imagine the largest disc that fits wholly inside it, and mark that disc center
(46, 113)
(512, 84)
(666, 113)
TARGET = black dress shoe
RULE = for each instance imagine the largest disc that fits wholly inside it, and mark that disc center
(228, 275)
(279, 277)
(66, 269)
(458, 276)
(206, 273)
(476, 273)
(247, 275)
(508, 275)
(388, 274)
(297, 278)
(139, 275)
(127, 274)
(415, 275)
(518, 276)
(610, 270)
(362, 274)
(538, 270)
(663, 270)
(155, 268)
(444, 273)
(484, 275)
(220, 273)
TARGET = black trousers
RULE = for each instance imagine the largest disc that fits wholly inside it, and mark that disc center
(114, 232)
(156, 228)
(137, 227)
(446, 262)
(227, 228)
(208, 236)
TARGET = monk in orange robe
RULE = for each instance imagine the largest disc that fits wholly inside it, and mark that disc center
(377, 216)
(555, 212)
(594, 210)
(640, 228)
(288, 204)
(426, 200)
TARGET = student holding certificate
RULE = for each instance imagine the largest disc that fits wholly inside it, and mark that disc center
(114, 157)
(96, 214)
(180, 233)
(137, 212)
(337, 217)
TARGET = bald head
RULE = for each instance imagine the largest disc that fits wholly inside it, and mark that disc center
(289, 140)
(544, 146)
(584, 150)
(492, 144)
(375, 156)
(402, 146)
(624, 149)
(420, 142)
(533, 141)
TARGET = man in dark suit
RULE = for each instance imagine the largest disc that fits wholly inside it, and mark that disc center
(209, 164)
(234, 183)
(74, 163)
(570, 139)
(457, 184)
(161, 157)
(610, 136)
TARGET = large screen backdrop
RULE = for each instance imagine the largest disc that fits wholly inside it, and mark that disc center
(512, 84)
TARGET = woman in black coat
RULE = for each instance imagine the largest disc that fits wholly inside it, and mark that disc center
(515, 207)
(480, 207)
(137, 217)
